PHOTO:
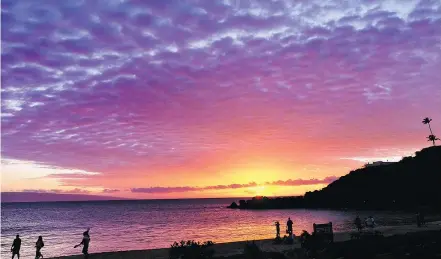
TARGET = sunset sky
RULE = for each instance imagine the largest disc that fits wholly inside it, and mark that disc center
(210, 98)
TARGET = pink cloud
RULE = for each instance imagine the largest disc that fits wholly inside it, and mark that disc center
(50, 196)
(110, 191)
(195, 88)
(297, 182)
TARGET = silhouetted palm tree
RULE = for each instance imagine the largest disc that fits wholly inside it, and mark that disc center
(427, 120)
(432, 138)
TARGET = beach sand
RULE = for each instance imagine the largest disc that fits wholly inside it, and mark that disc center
(227, 249)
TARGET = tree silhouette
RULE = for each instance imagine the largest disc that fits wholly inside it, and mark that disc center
(432, 138)
(427, 120)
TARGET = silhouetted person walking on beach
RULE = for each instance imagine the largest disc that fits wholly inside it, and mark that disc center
(358, 223)
(39, 244)
(422, 219)
(85, 243)
(418, 219)
(277, 229)
(289, 226)
(15, 248)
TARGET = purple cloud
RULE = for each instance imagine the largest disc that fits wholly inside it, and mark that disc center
(47, 196)
(134, 84)
(58, 191)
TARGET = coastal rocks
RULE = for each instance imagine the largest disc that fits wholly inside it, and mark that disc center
(233, 206)
(263, 203)
(242, 205)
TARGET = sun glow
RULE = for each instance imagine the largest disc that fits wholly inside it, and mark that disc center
(257, 190)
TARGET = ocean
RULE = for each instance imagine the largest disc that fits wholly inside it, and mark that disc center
(135, 225)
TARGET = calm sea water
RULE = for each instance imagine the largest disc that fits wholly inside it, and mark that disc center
(133, 225)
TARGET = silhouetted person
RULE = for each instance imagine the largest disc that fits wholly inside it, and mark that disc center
(289, 225)
(15, 248)
(85, 243)
(422, 219)
(370, 223)
(418, 219)
(277, 229)
(38, 245)
(357, 223)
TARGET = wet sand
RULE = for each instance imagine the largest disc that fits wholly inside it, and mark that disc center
(227, 249)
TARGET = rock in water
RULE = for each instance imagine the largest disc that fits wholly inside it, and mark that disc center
(233, 206)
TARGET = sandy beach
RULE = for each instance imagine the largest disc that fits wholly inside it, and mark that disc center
(228, 249)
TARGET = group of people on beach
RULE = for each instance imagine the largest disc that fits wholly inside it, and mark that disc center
(369, 223)
(289, 231)
(16, 245)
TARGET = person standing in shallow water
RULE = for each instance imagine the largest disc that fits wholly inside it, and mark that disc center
(277, 229)
(15, 248)
(289, 226)
(85, 243)
(38, 245)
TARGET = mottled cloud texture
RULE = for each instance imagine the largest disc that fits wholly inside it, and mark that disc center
(204, 93)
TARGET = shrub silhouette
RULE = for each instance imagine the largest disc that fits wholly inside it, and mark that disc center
(191, 250)
(252, 251)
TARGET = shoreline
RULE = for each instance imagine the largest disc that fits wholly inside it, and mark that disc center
(234, 248)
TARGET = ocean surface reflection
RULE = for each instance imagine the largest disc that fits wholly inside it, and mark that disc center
(134, 225)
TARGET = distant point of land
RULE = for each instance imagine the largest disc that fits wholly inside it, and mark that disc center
(410, 184)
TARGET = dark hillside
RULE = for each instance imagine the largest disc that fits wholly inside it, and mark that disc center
(410, 183)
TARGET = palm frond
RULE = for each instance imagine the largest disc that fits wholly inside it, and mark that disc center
(427, 120)
(432, 138)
